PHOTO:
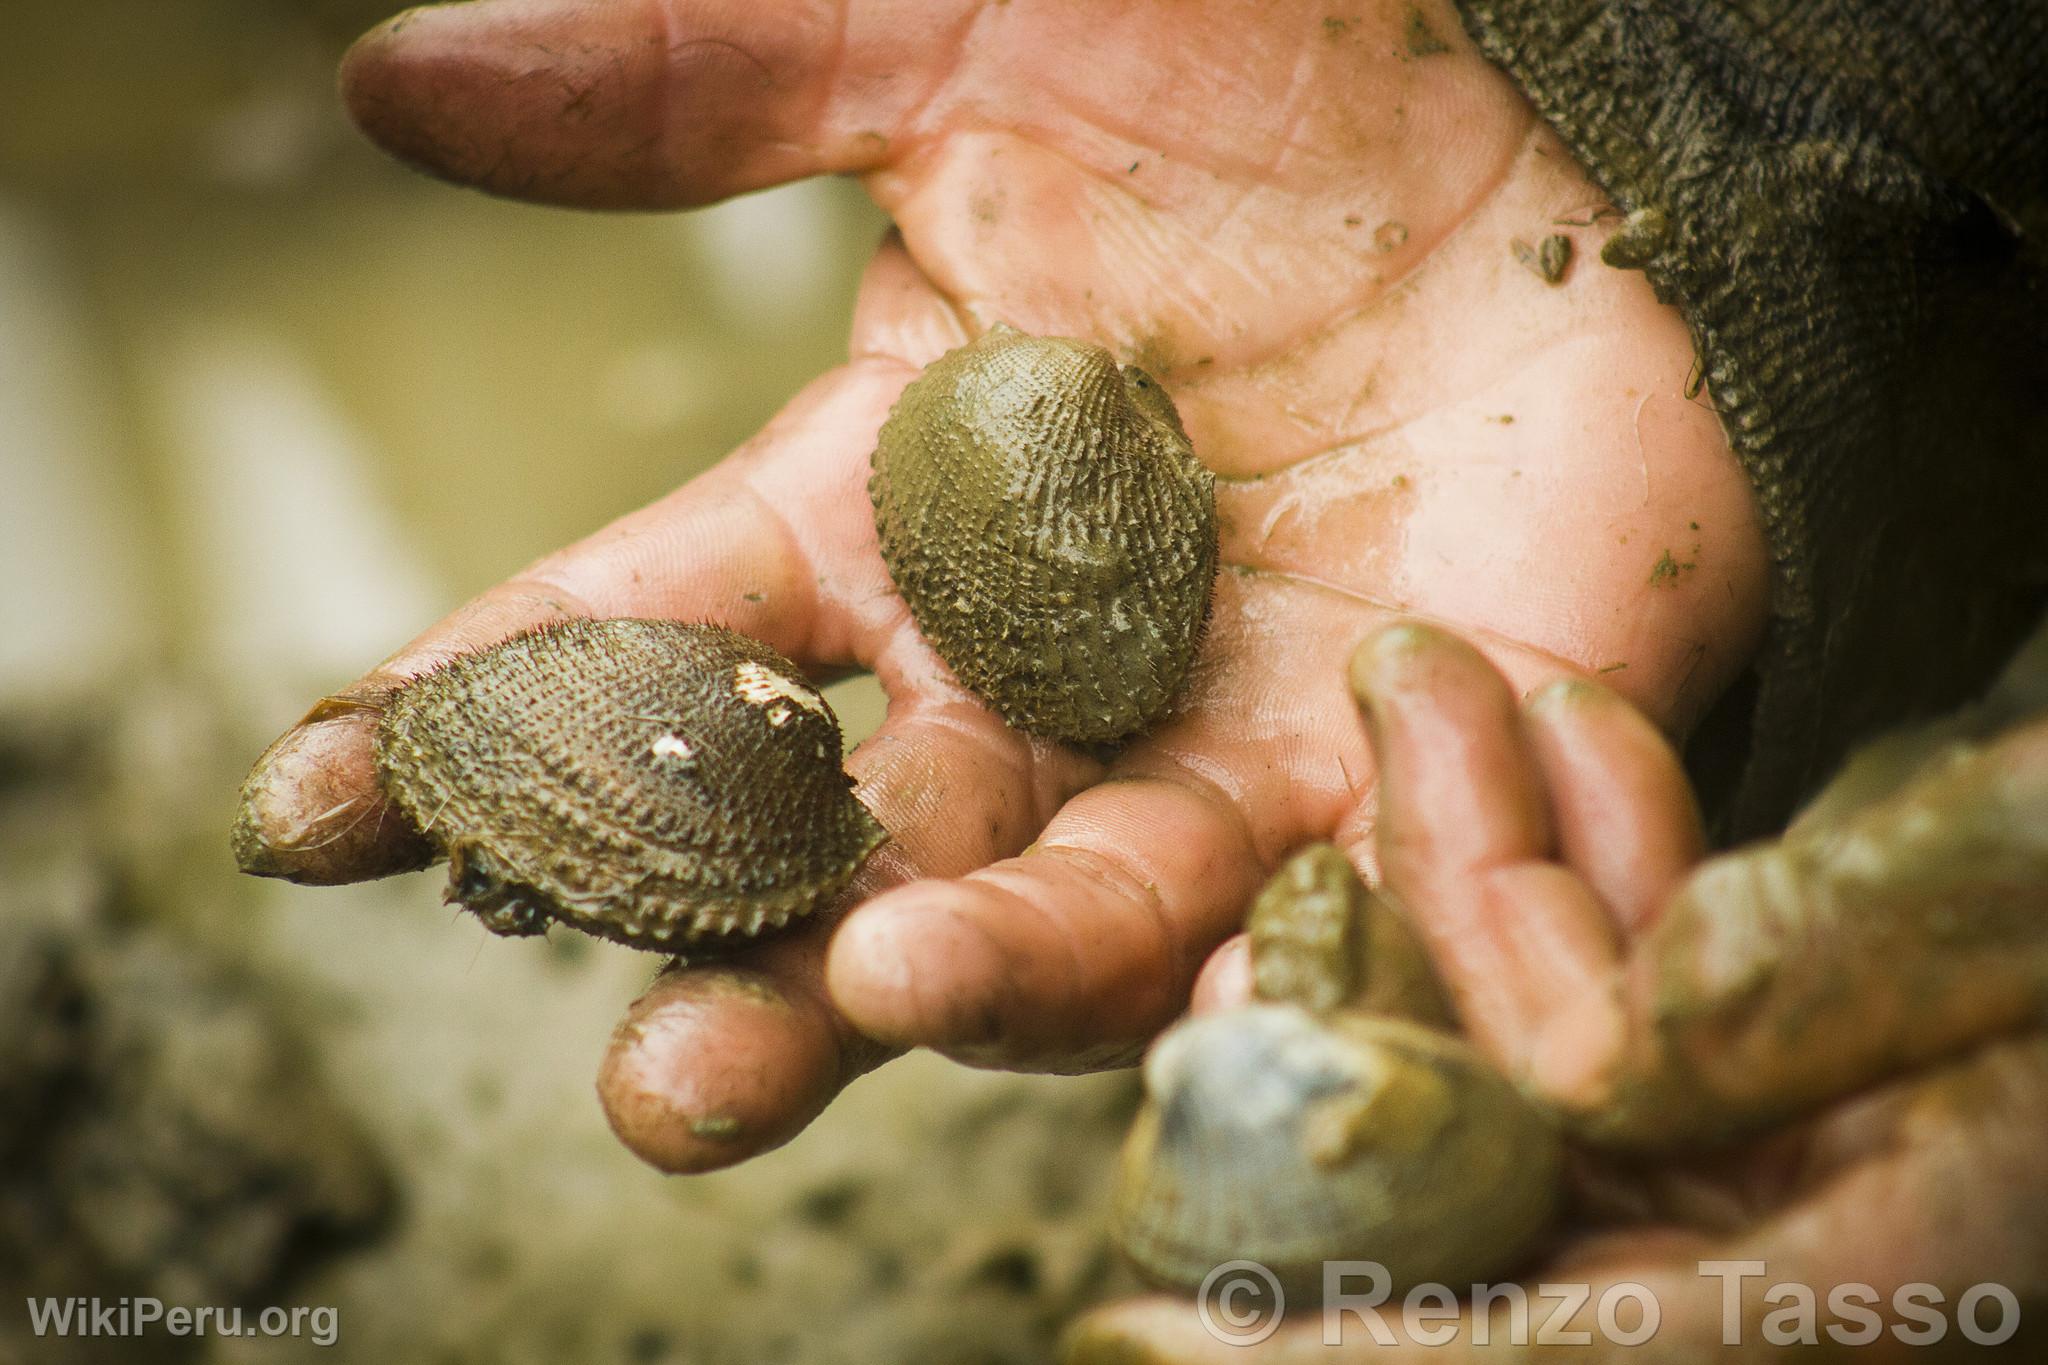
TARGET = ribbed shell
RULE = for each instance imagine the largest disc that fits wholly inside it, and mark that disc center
(1308, 931)
(1045, 518)
(1289, 1139)
(1322, 940)
(652, 782)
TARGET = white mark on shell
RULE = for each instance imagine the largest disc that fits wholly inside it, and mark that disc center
(763, 686)
(673, 746)
(778, 715)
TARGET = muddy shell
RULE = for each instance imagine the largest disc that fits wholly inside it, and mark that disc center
(1321, 939)
(661, 784)
(1044, 516)
(1334, 1119)
(1291, 1139)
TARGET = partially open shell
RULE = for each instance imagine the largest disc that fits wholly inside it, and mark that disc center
(656, 783)
(1042, 513)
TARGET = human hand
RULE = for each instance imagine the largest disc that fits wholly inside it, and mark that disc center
(1548, 853)
(1303, 226)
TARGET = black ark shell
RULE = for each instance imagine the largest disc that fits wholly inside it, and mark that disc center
(1045, 518)
(657, 783)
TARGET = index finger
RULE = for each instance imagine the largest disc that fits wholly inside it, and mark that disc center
(1466, 839)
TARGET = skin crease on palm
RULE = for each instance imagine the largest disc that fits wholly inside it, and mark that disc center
(1302, 225)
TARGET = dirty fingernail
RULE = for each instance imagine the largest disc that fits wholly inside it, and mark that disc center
(311, 811)
(1383, 656)
(1563, 693)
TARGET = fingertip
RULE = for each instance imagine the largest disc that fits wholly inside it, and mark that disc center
(1562, 696)
(311, 810)
(1384, 652)
(1155, 1330)
(380, 78)
(1622, 805)
(647, 106)
(510, 96)
(713, 1065)
(1395, 657)
(1455, 780)
(1226, 978)
(912, 969)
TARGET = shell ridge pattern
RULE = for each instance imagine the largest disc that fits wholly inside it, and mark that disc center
(650, 781)
(535, 853)
(1047, 523)
(655, 835)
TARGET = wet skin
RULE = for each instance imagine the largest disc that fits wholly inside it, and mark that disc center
(1548, 852)
(1303, 225)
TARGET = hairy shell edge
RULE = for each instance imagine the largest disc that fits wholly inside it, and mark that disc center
(661, 784)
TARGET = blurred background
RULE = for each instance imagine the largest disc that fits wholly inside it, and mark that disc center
(268, 405)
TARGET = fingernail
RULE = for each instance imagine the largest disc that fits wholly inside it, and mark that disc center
(1382, 657)
(311, 811)
(1562, 693)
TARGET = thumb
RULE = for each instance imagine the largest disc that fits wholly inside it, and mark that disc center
(648, 104)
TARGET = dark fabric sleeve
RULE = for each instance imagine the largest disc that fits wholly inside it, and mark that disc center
(1837, 195)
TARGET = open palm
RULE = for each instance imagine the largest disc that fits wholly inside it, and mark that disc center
(1305, 226)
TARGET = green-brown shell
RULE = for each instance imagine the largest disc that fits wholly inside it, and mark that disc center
(1045, 518)
(1293, 1139)
(1331, 1120)
(1322, 939)
(657, 783)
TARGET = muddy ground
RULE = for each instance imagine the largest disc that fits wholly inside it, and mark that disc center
(224, 1091)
